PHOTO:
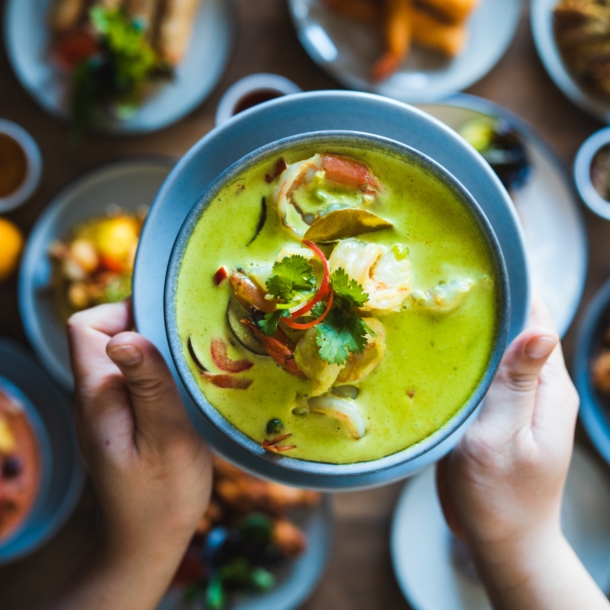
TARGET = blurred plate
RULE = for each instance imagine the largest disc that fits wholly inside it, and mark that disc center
(544, 37)
(128, 184)
(27, 38)
(431, 579)
(347, 49)
(297, 579)
(555, 234)
(62, 470)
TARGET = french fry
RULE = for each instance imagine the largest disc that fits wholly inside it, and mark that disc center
(65, 14)
(175, 29)
(361, 10)
(448, 39)
(397, 35)
(454, 11)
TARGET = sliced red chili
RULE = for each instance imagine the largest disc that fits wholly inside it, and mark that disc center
(301, 311)
(227, 381)
(297, 326)
(218, 349)
(221, 275)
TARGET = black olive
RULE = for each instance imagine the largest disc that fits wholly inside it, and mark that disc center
(274, 426)
(12, 467)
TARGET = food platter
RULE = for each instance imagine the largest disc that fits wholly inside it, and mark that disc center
(128, 184)
(297, 579)
(346, 50)
(26, 37)
(432, 579)
(544, 37)
(280, 118)
(64, 473)
(547, 205)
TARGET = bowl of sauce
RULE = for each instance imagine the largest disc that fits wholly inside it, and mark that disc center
(20, 165)
(592, 172)
(251, 91)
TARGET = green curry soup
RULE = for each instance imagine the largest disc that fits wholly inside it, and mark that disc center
(432, 349)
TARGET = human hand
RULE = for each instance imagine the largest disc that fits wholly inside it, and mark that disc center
(501, 488)
(150, 468)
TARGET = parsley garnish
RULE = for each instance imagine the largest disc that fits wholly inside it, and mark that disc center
(341, 333)
(349, 293)
(291, 275)
(268, 324)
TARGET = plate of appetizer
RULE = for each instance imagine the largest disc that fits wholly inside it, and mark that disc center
(541, 191)
(81, 251)
(41, 473)
(120, 66)
(257, 450)
(571, 37)
(441, 574)
(259, 546)
(410, 51)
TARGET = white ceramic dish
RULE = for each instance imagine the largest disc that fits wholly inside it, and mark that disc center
(34, 171)
(249, 85)
(296, 579)
(541, 13)
(554, 229)
(347, 49)
(277, 119)
(27, 38)
(430, 578)
(582, 173)
(128, 184)
(63, 474)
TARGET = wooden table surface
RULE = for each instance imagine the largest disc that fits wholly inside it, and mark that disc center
(360, 573)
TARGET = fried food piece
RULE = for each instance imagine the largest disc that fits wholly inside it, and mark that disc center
(446, 38)
(398, 29)
(65, 14)
(175, 29)
(451, 11)
(600, 372)
(290, 540)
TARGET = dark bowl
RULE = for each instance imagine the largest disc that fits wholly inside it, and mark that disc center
(327, 472)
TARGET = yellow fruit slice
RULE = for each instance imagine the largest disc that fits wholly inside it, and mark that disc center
(11, 245)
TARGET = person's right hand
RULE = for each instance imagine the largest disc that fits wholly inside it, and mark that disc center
(151, 470)
(501, 488)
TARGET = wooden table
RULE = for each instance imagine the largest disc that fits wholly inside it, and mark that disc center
(360, 574)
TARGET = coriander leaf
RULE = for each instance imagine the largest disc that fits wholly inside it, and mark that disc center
(268, 324)
(349, 293)
(291, 275)
(318, 309)
(340, 334)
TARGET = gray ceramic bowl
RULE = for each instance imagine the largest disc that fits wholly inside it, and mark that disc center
(326, 140)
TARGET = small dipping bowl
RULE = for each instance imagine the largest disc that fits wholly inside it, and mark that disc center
(594, 405)
(583, 165)
(251, 91)
(322, 475)
(27, 153)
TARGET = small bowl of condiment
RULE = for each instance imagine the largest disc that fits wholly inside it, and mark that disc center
(252, 91)
(592, 172)
(20, 165)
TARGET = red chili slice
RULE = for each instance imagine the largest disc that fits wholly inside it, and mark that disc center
(218, 348)
(227, 381)
(221, 275)
(297, 326)
(323, 286)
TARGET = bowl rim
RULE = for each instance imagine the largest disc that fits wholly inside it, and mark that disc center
(335, 138)
(595, 421)
(582, 172)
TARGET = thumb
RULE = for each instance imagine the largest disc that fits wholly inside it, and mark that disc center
(155, 399)
(511, 398)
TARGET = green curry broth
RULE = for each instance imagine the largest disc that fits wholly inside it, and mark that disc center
(433, 362)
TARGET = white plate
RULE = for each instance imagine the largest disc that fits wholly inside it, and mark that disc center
(347, 50)
(547, 205)
(27, 40)
(421, 541)
(297, 579)
(128, 184)
(544, 37)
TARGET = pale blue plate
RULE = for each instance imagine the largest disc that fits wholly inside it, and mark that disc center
(291, 115)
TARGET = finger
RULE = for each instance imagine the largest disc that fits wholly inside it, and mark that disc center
(88, 335)
(510, 402)
(156, 403)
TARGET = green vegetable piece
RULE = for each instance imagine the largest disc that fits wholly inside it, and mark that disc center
(237, 572)
(344, 223)
(274, 426)
(291, 275)
(256, 528)
(215, 598)
(268, 324)
(262, 579)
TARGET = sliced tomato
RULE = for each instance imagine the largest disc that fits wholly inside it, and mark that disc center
(227, 381)
(218, 348)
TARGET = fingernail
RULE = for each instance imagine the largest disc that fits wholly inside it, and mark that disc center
(541, 346)
(128, 355)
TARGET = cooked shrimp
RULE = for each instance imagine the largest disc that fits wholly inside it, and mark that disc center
(442, 298)
(330, 168)
(359, 366)
(342, 409)
(382, 272)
